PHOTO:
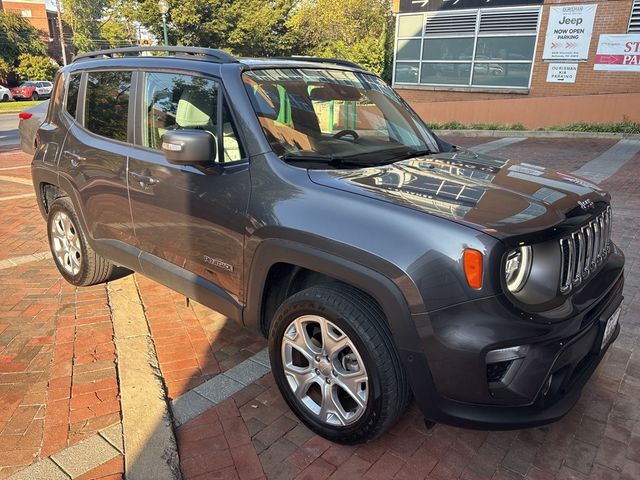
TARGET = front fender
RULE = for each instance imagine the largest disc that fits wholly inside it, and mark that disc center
(406, 327)
(385, 291)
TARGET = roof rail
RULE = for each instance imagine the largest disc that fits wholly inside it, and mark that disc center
(336, 61)
(209, 53)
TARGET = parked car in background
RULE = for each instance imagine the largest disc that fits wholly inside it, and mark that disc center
(32, 90)
(5, 94)
(30, 121)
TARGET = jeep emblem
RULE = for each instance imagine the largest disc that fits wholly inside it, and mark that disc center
(586, 204)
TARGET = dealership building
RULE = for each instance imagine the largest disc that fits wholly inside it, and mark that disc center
(538, 63)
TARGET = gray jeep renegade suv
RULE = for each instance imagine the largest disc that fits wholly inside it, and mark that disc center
(306, 200)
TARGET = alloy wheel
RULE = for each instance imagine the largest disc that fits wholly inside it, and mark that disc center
(325, 370)
(66, 243)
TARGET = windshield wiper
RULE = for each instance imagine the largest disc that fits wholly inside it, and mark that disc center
(413, 153)
(328, 159)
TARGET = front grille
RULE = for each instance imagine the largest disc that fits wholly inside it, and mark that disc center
(584, 250)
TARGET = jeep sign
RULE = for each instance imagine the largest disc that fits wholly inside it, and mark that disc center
(569, 32)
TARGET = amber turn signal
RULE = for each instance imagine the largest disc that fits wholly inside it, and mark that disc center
(472, 260)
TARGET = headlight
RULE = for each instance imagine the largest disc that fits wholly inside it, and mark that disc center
(517, 267)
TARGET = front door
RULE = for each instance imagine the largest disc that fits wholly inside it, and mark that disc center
(193, 218)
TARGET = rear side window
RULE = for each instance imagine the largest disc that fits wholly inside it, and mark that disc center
(72, 94)
(107, 104)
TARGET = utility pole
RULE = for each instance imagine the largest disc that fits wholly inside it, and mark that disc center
(61, 33)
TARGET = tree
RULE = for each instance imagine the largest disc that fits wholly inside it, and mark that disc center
(243, 27)
(98, 24)
(356, 30)
(17, 37)
(36, 67)
(5, 69)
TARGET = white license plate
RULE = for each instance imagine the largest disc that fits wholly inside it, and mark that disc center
(612, 323)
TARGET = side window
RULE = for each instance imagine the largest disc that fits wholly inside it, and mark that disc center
(72, 94)
(184, 102)
(107, 104)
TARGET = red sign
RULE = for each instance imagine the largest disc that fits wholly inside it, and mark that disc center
(618, 52)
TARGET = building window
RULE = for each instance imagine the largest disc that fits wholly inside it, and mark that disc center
(634, 20)
(483, 48)
(26, 13)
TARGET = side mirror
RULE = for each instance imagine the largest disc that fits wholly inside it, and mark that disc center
(189, 147)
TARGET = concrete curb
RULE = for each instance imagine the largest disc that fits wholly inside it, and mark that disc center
(533, 134)
(149, 442)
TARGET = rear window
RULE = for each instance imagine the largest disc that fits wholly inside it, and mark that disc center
(72, 94)
(107, 104)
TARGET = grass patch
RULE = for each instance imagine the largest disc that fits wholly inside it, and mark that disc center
(15, 107)
(455, 125)
(626, 127)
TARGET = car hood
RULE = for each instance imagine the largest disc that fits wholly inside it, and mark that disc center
(504, 198)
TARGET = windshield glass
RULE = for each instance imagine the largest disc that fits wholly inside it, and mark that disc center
(334, 114)
(28, 84)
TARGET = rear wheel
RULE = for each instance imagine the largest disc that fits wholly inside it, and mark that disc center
(34, 96)
(335, 363)
(5, 98)
(78, 263)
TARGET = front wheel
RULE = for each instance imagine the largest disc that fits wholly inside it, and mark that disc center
(5, 98)
(335, 363)
(35, 96)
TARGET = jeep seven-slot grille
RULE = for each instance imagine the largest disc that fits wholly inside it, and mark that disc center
(584, 250)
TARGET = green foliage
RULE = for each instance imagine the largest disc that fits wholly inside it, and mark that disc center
(626, 127)
(98, 24)
(17, 37)
(356, 30)
(260, 28)
(243, 27)
(36, 67)
(5, 68)
(455, 125)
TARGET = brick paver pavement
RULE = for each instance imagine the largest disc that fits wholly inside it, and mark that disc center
(58, 380)
(253, 434)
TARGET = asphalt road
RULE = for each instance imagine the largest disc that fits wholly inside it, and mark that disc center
(9, 135)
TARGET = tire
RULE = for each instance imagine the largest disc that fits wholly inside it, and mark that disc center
(34, 96)
(365, 358)
(5, 98)
(77, 262)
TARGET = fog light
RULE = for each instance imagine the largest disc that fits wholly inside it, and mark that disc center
(503, 363)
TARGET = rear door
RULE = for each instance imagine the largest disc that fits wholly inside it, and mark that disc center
(94, 157)
(192, 218)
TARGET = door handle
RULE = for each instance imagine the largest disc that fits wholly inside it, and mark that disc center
(74, 157)
(144, 180)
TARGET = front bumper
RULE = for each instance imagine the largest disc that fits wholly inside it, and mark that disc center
(450, 381)
(22, 96)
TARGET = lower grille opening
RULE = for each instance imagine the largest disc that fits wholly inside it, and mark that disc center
(496, 371)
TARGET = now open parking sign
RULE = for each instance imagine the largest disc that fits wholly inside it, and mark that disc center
(569, 32)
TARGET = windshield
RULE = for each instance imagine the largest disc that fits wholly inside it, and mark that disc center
(334, 114)
(28, 84)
